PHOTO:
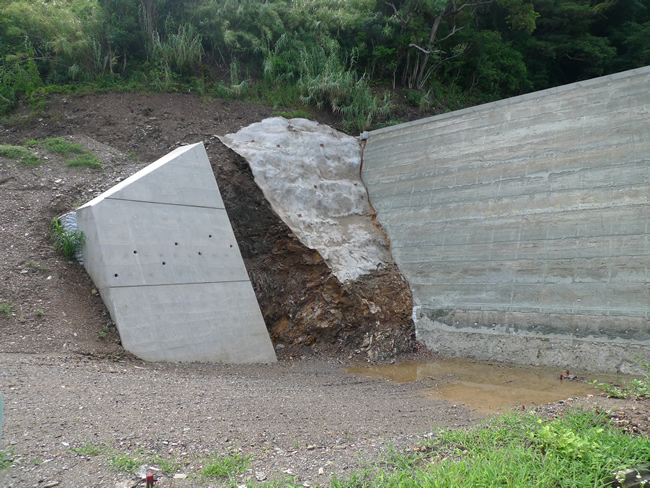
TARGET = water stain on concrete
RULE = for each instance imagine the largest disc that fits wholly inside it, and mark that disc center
(489, 387)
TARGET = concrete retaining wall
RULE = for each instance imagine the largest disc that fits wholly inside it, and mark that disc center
(523, 225)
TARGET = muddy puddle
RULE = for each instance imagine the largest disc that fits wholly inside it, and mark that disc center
(488, 387)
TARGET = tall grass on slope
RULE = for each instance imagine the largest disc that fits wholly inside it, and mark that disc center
(582, 449)
(326, 82)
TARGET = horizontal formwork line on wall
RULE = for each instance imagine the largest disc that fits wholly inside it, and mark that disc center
(546, 160)
(453, 151)
(447, 190)
(561, 205)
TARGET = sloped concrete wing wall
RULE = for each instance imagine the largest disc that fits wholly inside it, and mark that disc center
(523, 225)
(161, 251)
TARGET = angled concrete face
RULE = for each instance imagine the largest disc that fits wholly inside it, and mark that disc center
(161, 251)
(523, 226)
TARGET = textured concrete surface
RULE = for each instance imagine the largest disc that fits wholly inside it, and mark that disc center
(523, 225)
(310, 174)
(161, 251)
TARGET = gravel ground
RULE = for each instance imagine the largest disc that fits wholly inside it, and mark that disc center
(305, 419)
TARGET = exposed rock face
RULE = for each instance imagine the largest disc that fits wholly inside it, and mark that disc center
(303, 302)
(310, 174)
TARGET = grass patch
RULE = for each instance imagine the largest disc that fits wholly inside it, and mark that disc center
(128, 463)
(89, 450)
(582, 449)
(67, 242)
(6, 460)
(32, 142)
(124, 462)
(227, 466)
(13, 152)
(64, 148)
(6, 309)
(86, 159)
(166, 465)
(22, 155)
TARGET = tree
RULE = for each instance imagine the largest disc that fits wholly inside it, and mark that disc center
(565, 46)
(424, 20)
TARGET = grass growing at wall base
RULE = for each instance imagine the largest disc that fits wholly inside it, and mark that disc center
(65, 241)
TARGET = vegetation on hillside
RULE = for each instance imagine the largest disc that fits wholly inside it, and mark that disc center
(341, 54)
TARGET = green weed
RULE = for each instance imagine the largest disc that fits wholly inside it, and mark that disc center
(128, 463)
(6, 309)
(125, 462)
(6, 460)
(13, 152)
(89, 450)
(104, 332)
(86, 159)
(66, 241)
(612, 391)
(227, 466)
(62, 147)
(638, 388)
(134, 156)
(38, 312)
(24, 156)
(166, 465)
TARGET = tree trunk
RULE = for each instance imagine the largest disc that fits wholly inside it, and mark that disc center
(148, 13)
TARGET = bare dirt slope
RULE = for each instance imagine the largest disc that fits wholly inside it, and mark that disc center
(68, 383)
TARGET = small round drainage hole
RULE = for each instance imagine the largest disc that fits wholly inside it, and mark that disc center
(175, 243)
(210, 236)
(135, 252)
(199, 253)
(116, 275)
(164, 263)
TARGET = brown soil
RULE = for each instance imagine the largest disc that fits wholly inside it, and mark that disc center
(67, 381)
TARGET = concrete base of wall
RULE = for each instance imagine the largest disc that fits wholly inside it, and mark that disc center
(563, 351)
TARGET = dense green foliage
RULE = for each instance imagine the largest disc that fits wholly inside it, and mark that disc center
(335, 53)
